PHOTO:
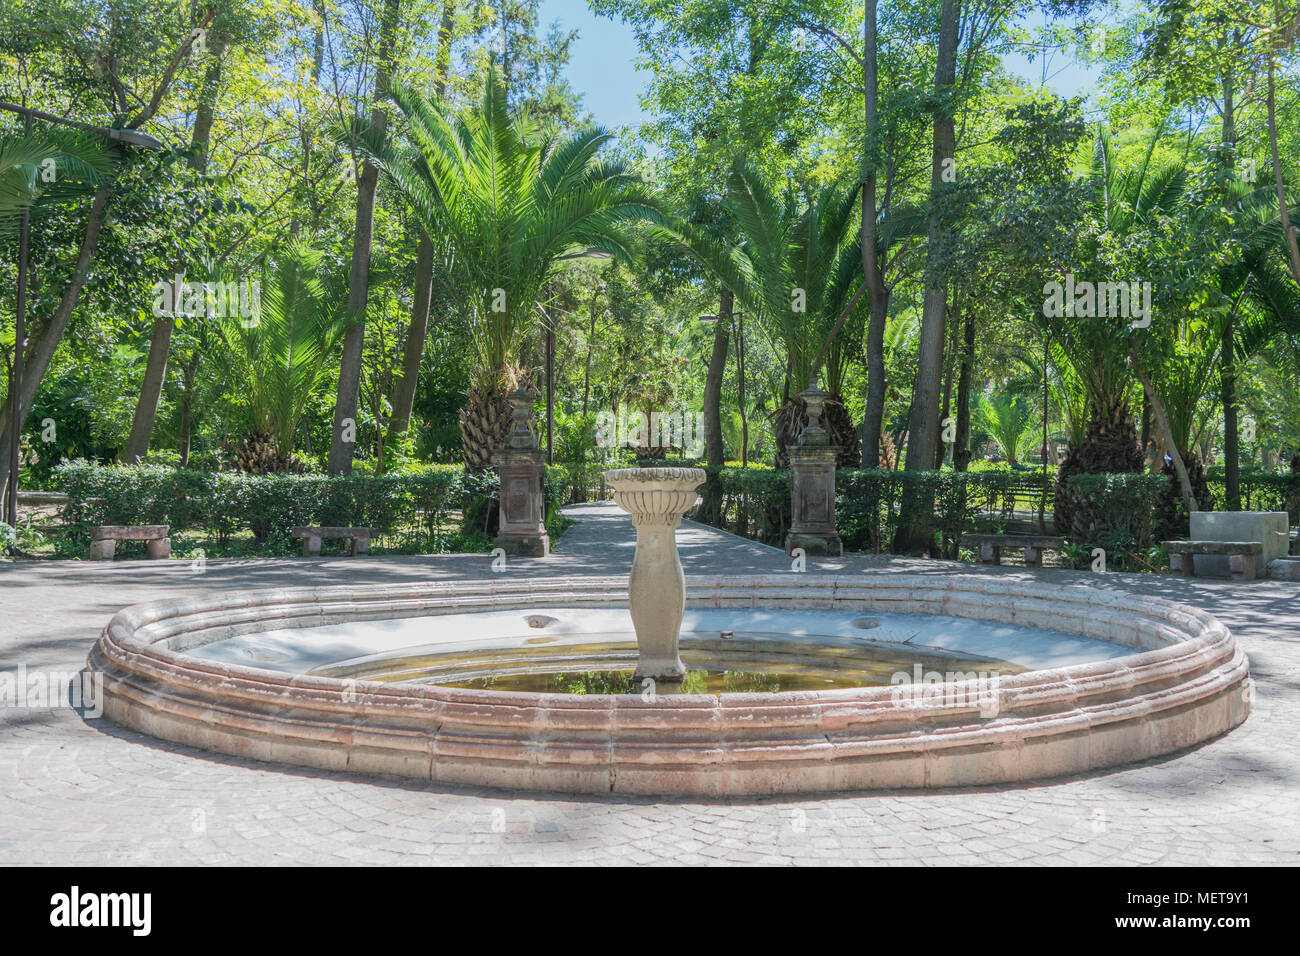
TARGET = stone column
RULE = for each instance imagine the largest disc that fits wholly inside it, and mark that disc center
(522, 528)
(656, 499)
(812, 484)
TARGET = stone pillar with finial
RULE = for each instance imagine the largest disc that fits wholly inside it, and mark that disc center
(522, 529)
(812, 483)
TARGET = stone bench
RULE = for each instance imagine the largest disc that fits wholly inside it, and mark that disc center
(1242, 556)
(104, 538)
(1033, 545)
(358, 538)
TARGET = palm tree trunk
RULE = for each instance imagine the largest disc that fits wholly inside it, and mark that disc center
(345, 405)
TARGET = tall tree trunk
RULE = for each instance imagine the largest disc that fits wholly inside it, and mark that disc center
(318, 41)
(345, 405)
(1231, 439)
(155, 371)
(1288, 231)
(879, 295)
(1227, 361)
(418, 333)
(442, 63)
(187, 408)
(304, 133)
(950, 363)
(961, 440)
(715, 453)
(591, 347)
(923, 423)
(550, 388)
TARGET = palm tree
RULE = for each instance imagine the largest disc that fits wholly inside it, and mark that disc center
(795, 268)
(282, 351)
(513, 203)
(49, 166)
(1126, 202)
(1010, 421)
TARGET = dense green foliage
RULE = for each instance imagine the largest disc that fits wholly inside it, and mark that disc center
(877, 198)
(413, 511)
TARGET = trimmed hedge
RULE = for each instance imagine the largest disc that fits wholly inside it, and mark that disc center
(873, 504)
(1117, 511)
(1262, 492)
(409, 509)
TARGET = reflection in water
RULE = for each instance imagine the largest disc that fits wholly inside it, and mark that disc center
(715, 665)
(695, 682)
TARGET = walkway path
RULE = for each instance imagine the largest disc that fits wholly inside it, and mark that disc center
(76, 791)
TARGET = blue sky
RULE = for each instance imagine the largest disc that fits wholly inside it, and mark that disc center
(602, 65)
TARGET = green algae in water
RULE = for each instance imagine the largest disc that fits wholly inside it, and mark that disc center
(622, 682)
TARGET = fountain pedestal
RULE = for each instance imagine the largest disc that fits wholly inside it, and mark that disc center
(656, 499)
(812, 484)
(522, 530)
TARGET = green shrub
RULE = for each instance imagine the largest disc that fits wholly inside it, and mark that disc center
(1261, 491)
(873, 504)
(409, 508)
(1117, 512)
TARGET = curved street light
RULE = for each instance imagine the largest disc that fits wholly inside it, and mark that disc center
(127, 137)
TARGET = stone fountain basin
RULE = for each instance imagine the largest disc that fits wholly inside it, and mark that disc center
(564, 632)
(1166, 678)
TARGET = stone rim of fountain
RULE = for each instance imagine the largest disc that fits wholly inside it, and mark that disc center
(1189, 684)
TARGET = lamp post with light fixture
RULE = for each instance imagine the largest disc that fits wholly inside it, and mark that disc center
(128, 137)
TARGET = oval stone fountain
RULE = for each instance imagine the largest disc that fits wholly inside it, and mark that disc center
(1014, 680)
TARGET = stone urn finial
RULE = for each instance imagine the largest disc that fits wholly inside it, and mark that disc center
(656, 499)
(813, 433)
(522, 437)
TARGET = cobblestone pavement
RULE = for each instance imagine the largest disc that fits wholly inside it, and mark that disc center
(77, 791)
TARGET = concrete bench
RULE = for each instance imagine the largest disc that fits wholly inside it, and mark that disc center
(1033, 545)
(1242, 556)
(104, 538)
(358, 538)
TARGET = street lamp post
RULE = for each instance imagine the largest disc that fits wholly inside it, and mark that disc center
(128, 137)
(740, 380)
